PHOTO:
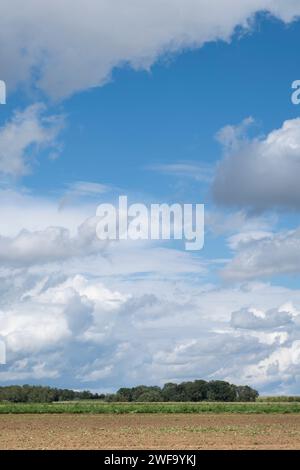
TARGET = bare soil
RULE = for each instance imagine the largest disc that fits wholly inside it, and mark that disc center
(146, 431)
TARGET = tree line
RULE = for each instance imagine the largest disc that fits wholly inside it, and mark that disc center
(40, 394)
(198, 390)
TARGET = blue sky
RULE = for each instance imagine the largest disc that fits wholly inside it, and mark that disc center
(173, 112)
(189, 105)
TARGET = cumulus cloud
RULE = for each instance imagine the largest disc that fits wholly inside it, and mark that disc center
(54, 312)
(101, 332)
(250, 319)
(242, 239)
(260, 173)
(281, 369)
(238, 223)
(50, 245)
(239, 351)
(276, 368)
(72, 313)
(84, 251)
(36, 231)
(27, 130)
(70, 55)
(267, 255)
(24, 209)
(29, 369)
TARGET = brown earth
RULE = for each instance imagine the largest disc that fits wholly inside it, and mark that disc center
(157, 431)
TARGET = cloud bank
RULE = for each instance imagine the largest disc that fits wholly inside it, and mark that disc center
(27, 130)
(266, 256)
(260, 173)
(84, 41)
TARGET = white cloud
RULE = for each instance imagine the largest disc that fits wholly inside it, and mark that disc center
(25, 210)
(28, 369)
(261, 173)
(28, 129)
(249, 319)
(50, 245)
(84, 42)
(265, 256)
(54, 312)
(74, 311)
(194, 170)
(36, 231)
(83, 189)
(106, 332)
(238, 222)
(88, 188)
(281, 367)
(245, 238)
(83, 250)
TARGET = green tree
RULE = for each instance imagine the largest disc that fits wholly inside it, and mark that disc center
(124, 394)
(171, 392)
(195, 391)
(218, 390)
(151, 396)
(246, 393)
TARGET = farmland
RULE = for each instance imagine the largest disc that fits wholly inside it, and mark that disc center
(150, 431)
(99, 407)
(94, 424)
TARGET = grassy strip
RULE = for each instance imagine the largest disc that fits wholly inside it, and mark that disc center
(279, 399)
(123, 408)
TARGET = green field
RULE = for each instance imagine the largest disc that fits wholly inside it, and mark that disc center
(279, 398)
(123, 408)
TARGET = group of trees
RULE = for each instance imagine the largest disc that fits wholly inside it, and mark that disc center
(199, 390)
(39, 394)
